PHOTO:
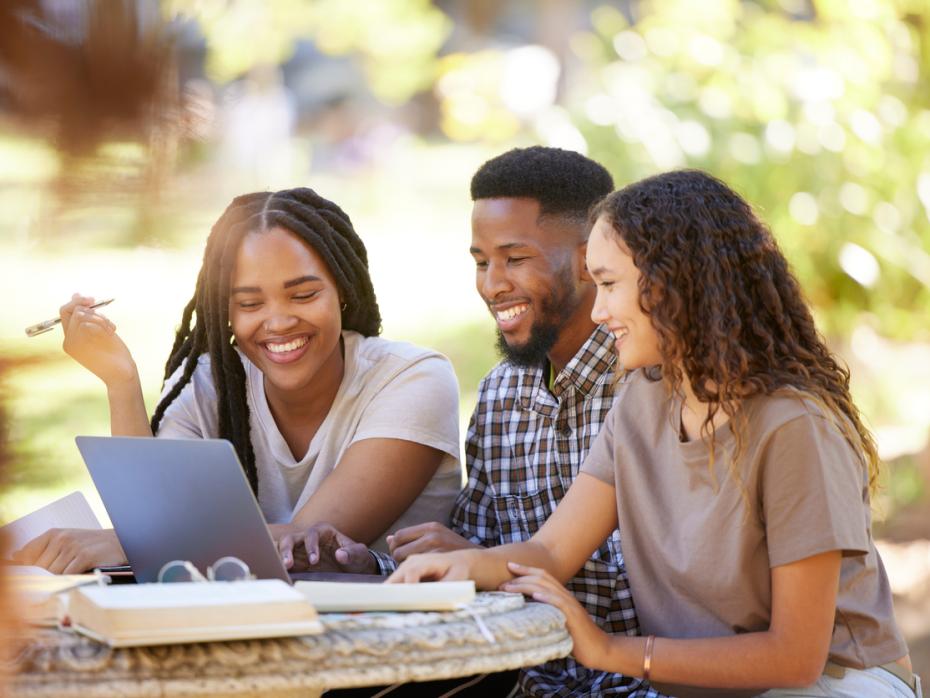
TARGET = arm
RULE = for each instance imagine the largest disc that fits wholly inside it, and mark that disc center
(91, 340)
(580, 523)
(792, 652)
(473, 520)
(375, 482)
(399, 442)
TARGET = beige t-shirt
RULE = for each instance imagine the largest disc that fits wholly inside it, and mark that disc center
(390, 390)
(698, 566)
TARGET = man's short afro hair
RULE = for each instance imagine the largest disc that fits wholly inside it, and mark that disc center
(562, 181)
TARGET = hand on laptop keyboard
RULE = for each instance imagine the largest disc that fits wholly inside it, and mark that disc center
(321, 548)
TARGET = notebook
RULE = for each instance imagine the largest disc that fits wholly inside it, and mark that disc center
(158, 614)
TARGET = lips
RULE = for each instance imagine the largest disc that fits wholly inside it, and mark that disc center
(285, 350)
(509, 316)
(619, 334)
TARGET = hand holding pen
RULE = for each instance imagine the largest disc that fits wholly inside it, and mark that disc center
(49, 325)
(91, 340)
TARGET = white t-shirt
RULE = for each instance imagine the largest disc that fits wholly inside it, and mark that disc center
(390, 390)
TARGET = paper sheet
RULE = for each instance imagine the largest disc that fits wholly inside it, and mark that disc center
(71, 511)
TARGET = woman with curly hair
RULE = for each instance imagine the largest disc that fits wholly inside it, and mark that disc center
(734, 463)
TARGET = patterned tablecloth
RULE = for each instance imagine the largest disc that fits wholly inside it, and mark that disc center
(496, 632)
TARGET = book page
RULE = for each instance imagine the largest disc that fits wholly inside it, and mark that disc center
(71, 511)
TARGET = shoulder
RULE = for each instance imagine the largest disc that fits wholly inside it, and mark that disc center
(376, 357)
(639, 393)
(503, 380)
(202, 378)
(788, 408)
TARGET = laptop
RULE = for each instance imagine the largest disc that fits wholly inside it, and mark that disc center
(180, 499)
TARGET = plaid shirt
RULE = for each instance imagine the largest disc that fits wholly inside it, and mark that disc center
(523, 450)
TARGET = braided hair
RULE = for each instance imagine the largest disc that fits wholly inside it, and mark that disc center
(318, 222)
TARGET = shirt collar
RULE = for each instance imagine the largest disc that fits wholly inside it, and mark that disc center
(591, 365)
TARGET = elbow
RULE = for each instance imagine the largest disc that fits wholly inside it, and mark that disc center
(805, 676)
(804, 669)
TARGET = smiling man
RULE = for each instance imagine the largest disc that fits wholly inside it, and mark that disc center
(541, 407)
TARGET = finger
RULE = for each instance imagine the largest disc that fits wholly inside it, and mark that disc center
(90, 317)
(77, 300)
(77, 565)
(414, 547)
(410, 533)
(74, 322)
(524, 570)
(312, 544)
(60, 563)
(342, 540)
(286, 551)
(33, 550)
(353, 557)
(402, 576)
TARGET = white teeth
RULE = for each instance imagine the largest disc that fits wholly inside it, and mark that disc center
(288, 346)
(511, 313)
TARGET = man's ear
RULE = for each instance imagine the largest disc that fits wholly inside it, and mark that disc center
(582, 251)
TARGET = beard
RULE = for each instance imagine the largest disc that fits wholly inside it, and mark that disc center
(554, 311)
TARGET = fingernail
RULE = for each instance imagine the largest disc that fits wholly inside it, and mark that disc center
(313, 557)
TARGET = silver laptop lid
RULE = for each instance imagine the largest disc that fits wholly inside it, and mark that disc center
(179, 499)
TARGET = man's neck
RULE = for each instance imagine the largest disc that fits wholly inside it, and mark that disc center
(572, 336)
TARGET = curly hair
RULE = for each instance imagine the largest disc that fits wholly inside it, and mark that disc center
(564, 183)
(315, 220)
(728, 312)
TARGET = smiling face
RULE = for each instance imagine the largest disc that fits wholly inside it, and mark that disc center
(617, 303)
(284, 309)
(531, 275)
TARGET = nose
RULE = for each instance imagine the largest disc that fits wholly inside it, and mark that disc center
(279, 321)
(599, 309)
(493, 281)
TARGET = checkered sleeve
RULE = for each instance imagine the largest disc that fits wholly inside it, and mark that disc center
(473, 514)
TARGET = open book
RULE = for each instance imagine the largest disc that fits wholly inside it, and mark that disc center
(40, 595)
(71, 511)
(156, 614)
(348, 597)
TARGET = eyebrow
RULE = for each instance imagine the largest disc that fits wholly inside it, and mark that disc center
(599, 271)
(505, 246)
(287, 284)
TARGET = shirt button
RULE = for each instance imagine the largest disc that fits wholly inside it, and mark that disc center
(566, 431)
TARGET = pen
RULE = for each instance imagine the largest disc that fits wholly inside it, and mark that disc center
(48, 325)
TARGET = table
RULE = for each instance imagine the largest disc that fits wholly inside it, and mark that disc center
(355, 650)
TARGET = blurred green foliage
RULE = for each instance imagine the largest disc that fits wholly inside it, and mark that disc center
(395, 40)
(818, 111)
(817, 114)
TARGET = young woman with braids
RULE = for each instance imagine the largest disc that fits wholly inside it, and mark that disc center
(336, 428)
(734, 463)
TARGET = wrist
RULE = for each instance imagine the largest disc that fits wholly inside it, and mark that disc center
(622, 654)
(125, 385)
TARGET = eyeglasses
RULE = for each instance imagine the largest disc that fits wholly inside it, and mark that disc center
(226, 569)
